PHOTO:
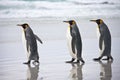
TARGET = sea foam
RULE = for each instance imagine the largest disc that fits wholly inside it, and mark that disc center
(59, 8)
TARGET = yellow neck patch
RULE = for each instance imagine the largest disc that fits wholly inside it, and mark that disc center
(73, 22)
(68, 27)
(24, 30)
(98, 27)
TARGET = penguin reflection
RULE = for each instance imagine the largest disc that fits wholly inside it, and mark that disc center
(76, 72)
(32, 72)
(106, 70)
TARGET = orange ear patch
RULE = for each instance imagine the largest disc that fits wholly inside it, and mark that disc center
(101, 21)
(73, 22)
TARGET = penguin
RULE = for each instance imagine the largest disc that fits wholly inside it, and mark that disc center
(104, 40)
(74, 42)
(31, 43)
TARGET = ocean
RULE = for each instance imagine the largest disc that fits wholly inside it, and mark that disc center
(58, 8)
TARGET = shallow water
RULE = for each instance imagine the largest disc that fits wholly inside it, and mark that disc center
(54, 52)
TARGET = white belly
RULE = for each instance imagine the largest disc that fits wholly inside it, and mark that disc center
(98, 33)
(103, 45)
(69, 39)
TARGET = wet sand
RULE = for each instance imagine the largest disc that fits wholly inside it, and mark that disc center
(54, 52)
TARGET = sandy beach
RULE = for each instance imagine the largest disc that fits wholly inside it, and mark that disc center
(54, 52)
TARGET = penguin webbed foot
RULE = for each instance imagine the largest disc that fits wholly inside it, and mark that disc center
(27, 62)
(36, 62)
(78, 61)
(105, 59)
(70, 61)
(83, 61)
(108, 58)
(111, 58)
(97, 59)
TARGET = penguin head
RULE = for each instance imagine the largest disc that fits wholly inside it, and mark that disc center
(71, 22)
(98, 21)
(24, 26)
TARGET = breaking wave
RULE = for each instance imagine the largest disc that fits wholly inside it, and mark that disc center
(58, 8)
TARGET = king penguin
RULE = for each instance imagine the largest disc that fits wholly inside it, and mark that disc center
(104, 40)
(74, 42)
(31, 43)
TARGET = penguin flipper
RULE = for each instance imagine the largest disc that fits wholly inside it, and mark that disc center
(38, 39)
(73, 34)
(27, 46)
(100, 42)
(73, 45)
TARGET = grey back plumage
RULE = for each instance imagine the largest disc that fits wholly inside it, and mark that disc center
(106, 37)
(31, 43)
(76, 40)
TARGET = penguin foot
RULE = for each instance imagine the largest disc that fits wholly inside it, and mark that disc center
(36, 62)
(111, 58)
(96, 59)
(83, 61)
(27, 62)
(77, 62)
(108, 58)
(105, 59)
(70, 61)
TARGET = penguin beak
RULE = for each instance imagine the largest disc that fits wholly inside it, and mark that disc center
(93, 20)
(19, 24)
(66, 21)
